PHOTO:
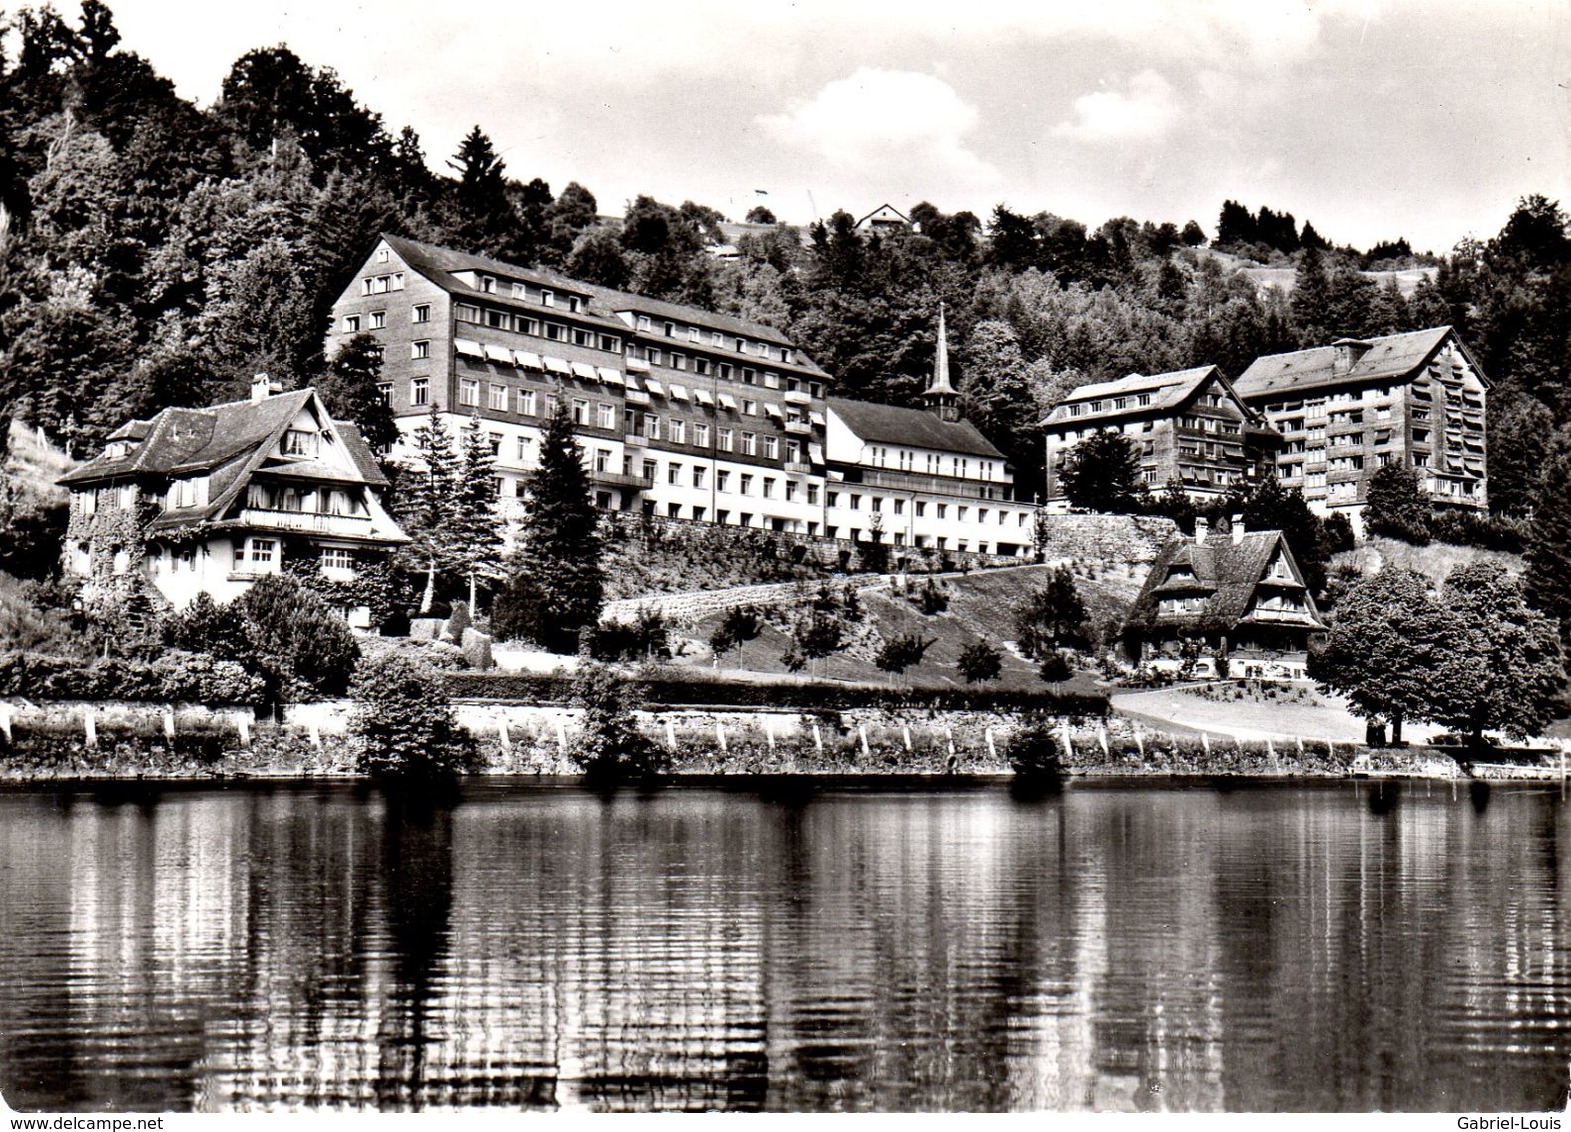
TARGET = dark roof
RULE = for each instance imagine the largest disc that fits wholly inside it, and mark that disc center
(913, 428)
(228, 441)
(1390, 357)
(1226, 573)
(439, 264)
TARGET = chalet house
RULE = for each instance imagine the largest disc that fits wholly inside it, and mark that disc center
(1232, 594)
(884, 219)
(1347, 409)
(1188, 427)
(208, 500)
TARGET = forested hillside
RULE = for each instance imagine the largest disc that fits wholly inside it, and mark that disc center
(154, 252)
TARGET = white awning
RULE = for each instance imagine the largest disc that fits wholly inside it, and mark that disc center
(584, 370)
(468, 349)
(678, 392)
(815, 453)
(557, 365)
(609, 375)
(728, 402)
(817, 418)
(528, 359)
(654, 386)
(773, 410)
(637, 363)
(703, 397)
(637, 396)
(634, 384)
(499, 354)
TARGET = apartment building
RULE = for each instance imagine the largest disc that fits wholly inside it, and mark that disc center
(1346, 409)
(682, 413)
(1188, 427)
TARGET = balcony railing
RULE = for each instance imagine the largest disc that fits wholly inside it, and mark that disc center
(799, 428)
(622, 479)
(307, 521)
(799, 466)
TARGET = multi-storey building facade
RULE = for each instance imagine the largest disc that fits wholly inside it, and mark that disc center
(209, 500)
(1189, 427)
(1347, 409)
(682, 413)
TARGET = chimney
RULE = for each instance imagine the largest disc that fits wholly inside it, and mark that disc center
(1202, 529)
(1348, 353)
(262, 387)
(1237, 527)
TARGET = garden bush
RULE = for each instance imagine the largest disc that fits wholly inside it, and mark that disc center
(403, 723)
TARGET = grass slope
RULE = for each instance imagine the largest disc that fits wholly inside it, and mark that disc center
(982, 606)
(35, 465)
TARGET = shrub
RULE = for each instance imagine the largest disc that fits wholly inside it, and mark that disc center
(403, 722)
(902, 652)
(1032, 749)
(979, 662)
(930, 599)
(1055, 667)
(173, 677)
(610, 747)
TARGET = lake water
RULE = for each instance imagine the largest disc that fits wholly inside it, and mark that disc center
(1133, 948)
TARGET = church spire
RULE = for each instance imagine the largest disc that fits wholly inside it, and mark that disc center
(941, 396)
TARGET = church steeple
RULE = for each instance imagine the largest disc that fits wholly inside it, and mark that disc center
(941, 396)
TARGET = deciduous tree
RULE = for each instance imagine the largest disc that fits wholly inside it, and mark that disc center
(1102, 473)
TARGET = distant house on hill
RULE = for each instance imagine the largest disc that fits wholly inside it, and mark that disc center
(884, 218)
(209, 500)
(1232, 594)
(1188, 427)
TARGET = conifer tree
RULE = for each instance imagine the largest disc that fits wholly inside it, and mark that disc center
(477, 525)
(558, 586)
(350, 390)
(428, 497)
(1547, 580)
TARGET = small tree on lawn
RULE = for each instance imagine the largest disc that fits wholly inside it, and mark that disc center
(1508, 664)
(816, 634)
(902, 652)
(1055, 668)
(478, 526)
(1052, 617)
(351, 389)
(558, 569)
(610, 747)
(403, 723)
(739, 624)
(979, 662)
(1102, 473)
(1397, 506)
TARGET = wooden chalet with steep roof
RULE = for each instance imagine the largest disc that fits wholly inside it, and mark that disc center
(208, 500)
(1236, 594)
(1188, 427)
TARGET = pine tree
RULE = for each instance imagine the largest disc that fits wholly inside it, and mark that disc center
(1547, 579)
(1052, 616)
(1311, 301)
(428, 498)
(559, 573)
(477, 525)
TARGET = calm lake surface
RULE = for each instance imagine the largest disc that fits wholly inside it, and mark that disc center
(1135, 948)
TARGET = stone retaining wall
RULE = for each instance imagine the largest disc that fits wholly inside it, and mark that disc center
(687, 608)
(1106, 539)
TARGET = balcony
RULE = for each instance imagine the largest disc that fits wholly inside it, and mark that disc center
(799, 428)
(622, 479)
(309, 522)
(801, 467)
(635, 440)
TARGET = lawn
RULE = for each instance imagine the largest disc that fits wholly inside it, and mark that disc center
(1310, 714)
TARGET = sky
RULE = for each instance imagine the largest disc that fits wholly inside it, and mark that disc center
(1372, 118)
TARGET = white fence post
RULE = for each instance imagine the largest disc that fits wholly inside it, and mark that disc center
(992, 749)
(5, 721)
(169, 725)
(670, 735)
(720, 737)
(89, 727)
(243, 725)
(861, 729)
(502, 736)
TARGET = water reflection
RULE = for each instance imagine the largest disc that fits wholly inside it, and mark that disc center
(1132, 949)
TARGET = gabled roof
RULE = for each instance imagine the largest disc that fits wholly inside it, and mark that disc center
(1390, 357)
(1226, 574)
(1169, 392)
(230, 442)
(439, 265)
(884, 209)
(913, 428)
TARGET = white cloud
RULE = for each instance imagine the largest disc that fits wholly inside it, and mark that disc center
(889, 120)
(1144, 110)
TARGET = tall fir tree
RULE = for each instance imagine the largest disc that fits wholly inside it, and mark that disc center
(558, 586)
(1547, 580)
(351, 389)
(478, 531)
(427, 497)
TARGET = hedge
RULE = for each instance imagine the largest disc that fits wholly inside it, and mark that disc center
(174, 677)
(696, 690)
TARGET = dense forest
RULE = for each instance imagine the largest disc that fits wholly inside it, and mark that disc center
(154, 253)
